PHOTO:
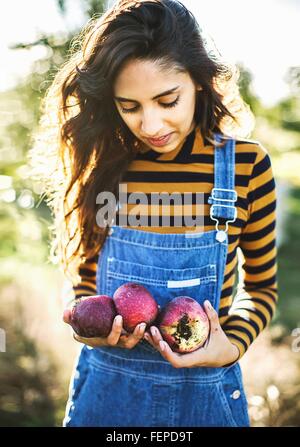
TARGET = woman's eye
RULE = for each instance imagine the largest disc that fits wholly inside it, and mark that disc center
(165, 105)
(171, 104)
(129, 110)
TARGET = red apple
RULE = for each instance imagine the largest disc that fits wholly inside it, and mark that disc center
(183, 324)
(136, 305)
(93, 316)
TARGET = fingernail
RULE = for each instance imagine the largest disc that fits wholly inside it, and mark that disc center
(142, 327)
(153, 331)
(208, 305)
(118, 319)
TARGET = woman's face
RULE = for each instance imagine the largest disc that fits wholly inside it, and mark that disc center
(154, 102)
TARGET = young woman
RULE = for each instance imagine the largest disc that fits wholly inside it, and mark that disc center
(143, 104)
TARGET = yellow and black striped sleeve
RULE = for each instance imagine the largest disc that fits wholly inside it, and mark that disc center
(256, 298)
(87, 284)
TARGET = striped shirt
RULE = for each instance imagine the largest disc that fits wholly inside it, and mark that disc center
(249, 291)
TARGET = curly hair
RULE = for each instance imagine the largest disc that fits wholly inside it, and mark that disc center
(83, 147)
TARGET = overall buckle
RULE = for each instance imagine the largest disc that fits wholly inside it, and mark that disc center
(217, 196)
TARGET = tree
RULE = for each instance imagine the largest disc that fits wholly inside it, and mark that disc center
(246, 89)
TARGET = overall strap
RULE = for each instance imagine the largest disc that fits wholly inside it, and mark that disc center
(223, 195)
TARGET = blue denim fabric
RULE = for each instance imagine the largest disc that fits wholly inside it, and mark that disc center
(116, 387)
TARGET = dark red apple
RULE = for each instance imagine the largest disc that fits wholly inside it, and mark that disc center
(183, 324)
(93, 316)
(136, 305)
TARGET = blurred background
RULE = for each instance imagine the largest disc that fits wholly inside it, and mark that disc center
(263, 39)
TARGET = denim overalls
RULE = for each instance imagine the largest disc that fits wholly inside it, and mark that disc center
(117, 387)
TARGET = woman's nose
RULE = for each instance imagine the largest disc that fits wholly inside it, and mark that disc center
(151, 126)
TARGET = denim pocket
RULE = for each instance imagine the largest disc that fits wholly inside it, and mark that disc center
(203, 405)
(164, 283)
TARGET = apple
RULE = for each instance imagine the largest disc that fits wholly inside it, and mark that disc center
(93, 316)
(183, 324)
(136, 305)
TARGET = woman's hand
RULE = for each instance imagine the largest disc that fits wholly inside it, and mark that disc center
(216, 352)
(118, 337)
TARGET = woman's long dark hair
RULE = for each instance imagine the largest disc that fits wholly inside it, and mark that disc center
(84, 147)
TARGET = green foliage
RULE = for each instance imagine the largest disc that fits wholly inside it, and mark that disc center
(90, 7)
(293, 79)
(289, 266)
(246, 90)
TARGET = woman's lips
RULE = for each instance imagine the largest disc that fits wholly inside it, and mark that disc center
(160, 141)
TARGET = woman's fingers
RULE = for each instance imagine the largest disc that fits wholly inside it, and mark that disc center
(215, 328)
(118, 337)
(116, 331)
(111, 340)
(147, 336)
(153, 337)
(134, 338)
(67, 316)
(94, 342)
(156, 335)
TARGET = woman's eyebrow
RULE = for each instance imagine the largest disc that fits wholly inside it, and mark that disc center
(167, 92)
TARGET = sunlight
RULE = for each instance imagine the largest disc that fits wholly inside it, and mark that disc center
(260, 35)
